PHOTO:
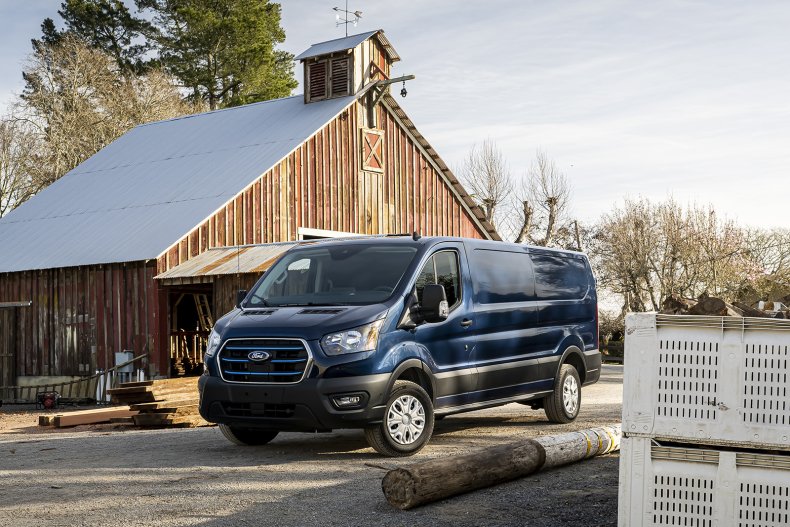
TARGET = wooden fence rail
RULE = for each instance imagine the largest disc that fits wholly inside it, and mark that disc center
(92, 388)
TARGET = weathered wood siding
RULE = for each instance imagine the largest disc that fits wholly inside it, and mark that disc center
(225, 288)
(320, 185)
(80, 317)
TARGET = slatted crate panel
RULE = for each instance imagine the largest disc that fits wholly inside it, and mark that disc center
(715, 380)
(685, 485)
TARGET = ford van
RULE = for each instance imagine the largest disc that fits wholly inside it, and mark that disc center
(389, 334)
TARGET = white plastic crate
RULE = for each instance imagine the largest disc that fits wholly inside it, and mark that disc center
(714, 380)
(701, 487)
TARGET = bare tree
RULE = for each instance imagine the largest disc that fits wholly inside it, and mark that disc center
(768, 273)
(16, 146)
(77, 101)
(647, 251)
(543, 202)
(487, 175)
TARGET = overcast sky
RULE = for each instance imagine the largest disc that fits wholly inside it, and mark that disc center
(688, 99)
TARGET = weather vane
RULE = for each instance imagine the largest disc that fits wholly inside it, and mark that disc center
(349, 17)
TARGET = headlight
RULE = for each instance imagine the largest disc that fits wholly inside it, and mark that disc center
(363, 338)
(213, 343)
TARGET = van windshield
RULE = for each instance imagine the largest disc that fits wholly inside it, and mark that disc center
(353, 274)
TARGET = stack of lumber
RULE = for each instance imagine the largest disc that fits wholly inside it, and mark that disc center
(712, 306)
(161, 403)
(88, 417)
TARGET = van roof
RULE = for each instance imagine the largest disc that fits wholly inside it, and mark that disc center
(408, 239)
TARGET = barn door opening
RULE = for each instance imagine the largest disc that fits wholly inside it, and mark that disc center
(8, 349)
(191, 320)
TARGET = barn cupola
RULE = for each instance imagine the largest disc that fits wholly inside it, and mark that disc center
(344, 66)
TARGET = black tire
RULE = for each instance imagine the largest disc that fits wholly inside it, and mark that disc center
(384, 440)
(247, 436)
(559, 405)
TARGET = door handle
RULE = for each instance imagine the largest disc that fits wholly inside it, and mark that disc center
(466, 322)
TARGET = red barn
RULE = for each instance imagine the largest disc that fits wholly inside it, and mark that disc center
(139, 246)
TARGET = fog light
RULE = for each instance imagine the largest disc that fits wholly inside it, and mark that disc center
(346, 401)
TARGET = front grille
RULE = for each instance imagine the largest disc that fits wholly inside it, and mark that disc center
(282, 411)
(287, 361)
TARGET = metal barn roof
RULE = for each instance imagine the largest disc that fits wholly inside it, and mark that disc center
(150, 187)
(229, 260)
(349, 42)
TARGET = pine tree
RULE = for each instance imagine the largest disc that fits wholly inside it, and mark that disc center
(223, 51)
(106, 25)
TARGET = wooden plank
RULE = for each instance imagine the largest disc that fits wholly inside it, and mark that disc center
(160, 382)
(167, 421)
(87, 417)
(183, 411)
(162, 405)
(122, 420)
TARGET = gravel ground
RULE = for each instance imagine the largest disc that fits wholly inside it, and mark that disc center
(114, 476)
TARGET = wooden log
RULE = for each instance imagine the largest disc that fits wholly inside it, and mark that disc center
(711, 306)
(674, 305)
(409, 487)
(750, 311)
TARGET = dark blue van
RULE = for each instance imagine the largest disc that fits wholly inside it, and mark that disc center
(388, 334)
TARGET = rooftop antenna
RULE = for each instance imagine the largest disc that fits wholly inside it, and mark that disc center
(348, 17)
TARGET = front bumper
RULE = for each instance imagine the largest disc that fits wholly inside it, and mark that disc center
(302, 407)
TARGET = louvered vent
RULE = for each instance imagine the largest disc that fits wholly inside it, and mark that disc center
(763, 505)
(766, 390)
(682, 500)
(688, 379)
(340, 77)
(317, 79)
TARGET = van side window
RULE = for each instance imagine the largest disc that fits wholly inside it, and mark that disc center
(442, 269)
(447, 275)
(502, 276)
(560, 277)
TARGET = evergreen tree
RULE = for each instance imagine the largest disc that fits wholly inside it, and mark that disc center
(106, 25)
(223, 51)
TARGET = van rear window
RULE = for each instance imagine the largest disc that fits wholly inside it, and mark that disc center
(559, 277)
(501, 276)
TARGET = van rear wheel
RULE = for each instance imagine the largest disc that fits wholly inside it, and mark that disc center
(563, 404)
(247, 436)
(408, 422)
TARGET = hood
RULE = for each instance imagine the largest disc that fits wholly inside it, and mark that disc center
(306, 322)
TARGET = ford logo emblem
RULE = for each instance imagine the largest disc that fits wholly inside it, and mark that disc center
(258, 356)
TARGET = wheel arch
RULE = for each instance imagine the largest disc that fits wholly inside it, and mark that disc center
(416, 371)
(573, 355)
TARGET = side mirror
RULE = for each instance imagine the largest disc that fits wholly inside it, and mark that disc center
(434, 306)
(241, 294)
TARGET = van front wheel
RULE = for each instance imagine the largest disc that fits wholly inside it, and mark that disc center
(408, 422)
(563, 404)
(247, 436)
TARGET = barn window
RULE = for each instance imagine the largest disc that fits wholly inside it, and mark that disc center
(329, 78)
(341, 80)
(372, 150)
(316, 75)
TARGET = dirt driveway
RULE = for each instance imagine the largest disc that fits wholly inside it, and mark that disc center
(110, 477)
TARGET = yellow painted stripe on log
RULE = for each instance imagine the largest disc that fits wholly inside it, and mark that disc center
(611, 440)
